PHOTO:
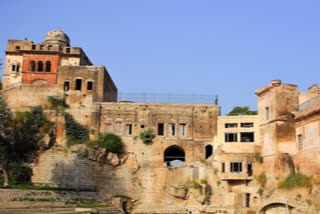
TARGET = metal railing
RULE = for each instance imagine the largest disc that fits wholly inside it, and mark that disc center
(163, 98)
(308, 103)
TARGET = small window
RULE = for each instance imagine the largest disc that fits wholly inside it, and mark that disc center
(40, 66)
(172, 129)
(17, 47)
(66, 86)
(300, 142)
(183, 129)
(247, 199)
(67, 50)
(129, 129)
(78, 84)
(223, 167)
(142, 126)
(230, 137)
(160, 129)
(246, 125)
(18, 68)
(89, 85)
(236, 167)
(48, 66)
(41, 47)
(247, 136)
(49, 47)
(249, 169)
(13, 68)
(118, 126)
(33, 47)
(32, 65)
(267, 113)
(209, 150)
(60, 48)
(231, 125)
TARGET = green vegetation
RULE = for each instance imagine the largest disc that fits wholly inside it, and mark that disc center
(258, 157)
(260, 192)
(75, 132)
(147, 136)
(20, 137)
(94, 206)
(111, 142)
(122, 196)
(309, 202)
(57, 103)
(194, 185)
(295, 180)
(203, 181)
(218, 183)
(262, 179)
(238, 110)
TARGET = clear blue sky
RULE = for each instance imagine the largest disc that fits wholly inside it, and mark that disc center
(219, 47)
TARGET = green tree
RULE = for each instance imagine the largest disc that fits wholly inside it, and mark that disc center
(20, 137)
(111, 142)
(238, 110)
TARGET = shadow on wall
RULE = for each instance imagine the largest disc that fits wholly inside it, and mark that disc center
(82, 174)
(74, 175)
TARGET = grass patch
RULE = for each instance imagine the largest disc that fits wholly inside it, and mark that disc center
(30, 186)
(262, 179)
(94, 206)
(122, 196)
(295, 180)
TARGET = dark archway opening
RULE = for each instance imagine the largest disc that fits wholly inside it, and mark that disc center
(174, 153)
(209, 151)
(124, 207)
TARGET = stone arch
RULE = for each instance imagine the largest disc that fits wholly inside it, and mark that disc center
(174, 153)
(275, 207)
(209, 151)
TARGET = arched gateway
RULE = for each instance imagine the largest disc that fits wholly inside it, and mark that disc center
(174, 153)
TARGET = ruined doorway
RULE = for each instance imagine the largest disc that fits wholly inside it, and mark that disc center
(209, 151)
(174, 154)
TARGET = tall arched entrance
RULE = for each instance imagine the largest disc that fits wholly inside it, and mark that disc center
(174, 156)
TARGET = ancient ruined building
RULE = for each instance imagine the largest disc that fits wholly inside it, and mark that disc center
(227, 164)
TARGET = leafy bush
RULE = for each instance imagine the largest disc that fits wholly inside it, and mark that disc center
(19, 175)
(260, 192)
(194, 185)
(75, 131)
(111, 142)
(57, 103)
(295, 180)
(122, 196)
(262, 179)
(258, 157)
(147, 136)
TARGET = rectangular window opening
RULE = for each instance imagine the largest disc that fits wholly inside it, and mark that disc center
(246, 125)
(160, 129)
(172, 129)
(129, 129)
(142, 126)
(267, 113)
(247, 199)
(78, 84)
(223, 167)
(67, 50)
(231, 125)
(33, 47)
(230, 137)
(249, 169)
(300, 142)
(236, 167)
(89, 85)
(183, 129)
(247, 136)
(66, 86)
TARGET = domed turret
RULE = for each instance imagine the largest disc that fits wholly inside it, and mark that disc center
(57, 37)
